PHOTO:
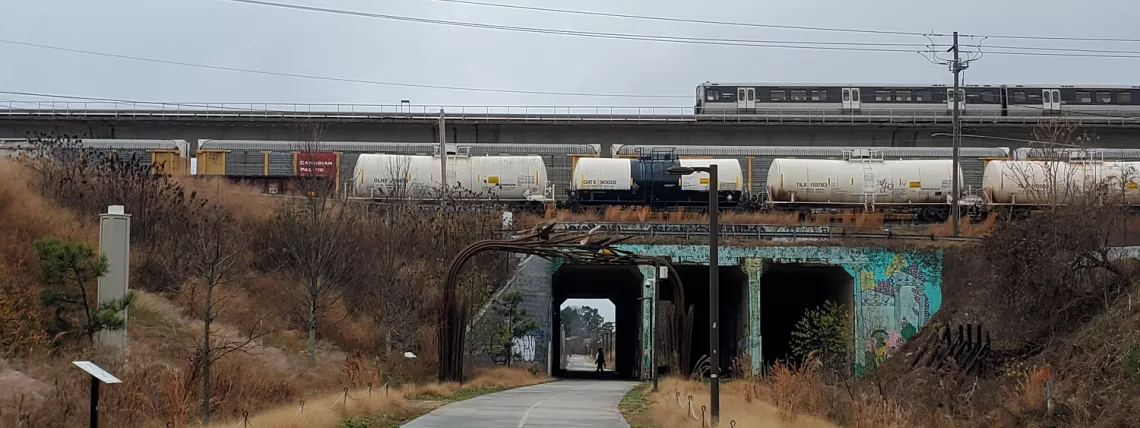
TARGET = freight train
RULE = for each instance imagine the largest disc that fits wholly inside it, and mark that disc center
(912, 181)
(862, 181)
(716, 100)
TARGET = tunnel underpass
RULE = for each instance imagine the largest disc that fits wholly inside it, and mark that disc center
(618, 284)
(787, 291)
(733, 313)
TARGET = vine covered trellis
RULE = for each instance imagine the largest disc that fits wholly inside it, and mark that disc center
(571, 247)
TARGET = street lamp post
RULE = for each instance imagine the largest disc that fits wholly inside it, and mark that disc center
(714, 286)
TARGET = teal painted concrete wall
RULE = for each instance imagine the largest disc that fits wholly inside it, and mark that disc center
(896, 291)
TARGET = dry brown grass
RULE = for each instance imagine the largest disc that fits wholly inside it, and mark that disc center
(245, 201)
(28, 216)
(330, 409)
(398, 403)
(667, 413)
(967, 228)
(789, 396)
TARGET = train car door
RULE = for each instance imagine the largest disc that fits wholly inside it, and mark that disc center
(950, 99)
(1051, 100)
(851, 99)
(746, 98)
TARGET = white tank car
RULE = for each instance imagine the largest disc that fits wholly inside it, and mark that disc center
(728, 173)
(505, 178)
(1030, 182)
(919, 181)
(602, 174)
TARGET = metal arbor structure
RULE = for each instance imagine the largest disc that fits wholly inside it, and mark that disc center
(574, 247)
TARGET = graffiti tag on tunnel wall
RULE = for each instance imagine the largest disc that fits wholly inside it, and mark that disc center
(524, 347)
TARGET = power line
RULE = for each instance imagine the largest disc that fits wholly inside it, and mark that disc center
(790, 44)
(684, 20)
(1056, 38)
(334, 79)
(110, 100)
(1036, 48)
(785, 44)
(731, 23)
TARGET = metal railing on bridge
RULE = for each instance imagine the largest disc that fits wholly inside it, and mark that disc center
(770, 232)
(284, 111)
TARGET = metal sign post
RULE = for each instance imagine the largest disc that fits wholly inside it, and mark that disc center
(98, 376)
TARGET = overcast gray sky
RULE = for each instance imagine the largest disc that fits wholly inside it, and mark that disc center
(605, 307)
(260, 37)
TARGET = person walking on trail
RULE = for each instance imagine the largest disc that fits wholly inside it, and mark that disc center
(601, 360)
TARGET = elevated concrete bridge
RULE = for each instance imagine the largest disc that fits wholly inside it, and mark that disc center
(539, 125)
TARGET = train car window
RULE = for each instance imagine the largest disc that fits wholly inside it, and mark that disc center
(846, 95)
(800, 95)
(882, 95)
(1084, 97)
(902, 96)
(751, 95)
(989, 97)
(1124, 98)
(819, 95)
(1104, 97)
(923, 96)
(1032, 98)
(712, 94)
(777, 95)
(1018, 96)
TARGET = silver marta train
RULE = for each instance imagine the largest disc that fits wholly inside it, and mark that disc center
(718, 99)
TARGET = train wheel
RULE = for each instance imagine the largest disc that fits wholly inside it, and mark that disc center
(932, 214)
(577, 208)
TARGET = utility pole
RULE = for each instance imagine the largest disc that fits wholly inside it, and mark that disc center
(442, 159)
(956, 67)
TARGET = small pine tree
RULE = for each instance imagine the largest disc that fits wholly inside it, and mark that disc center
(67, 269)
(515, 324)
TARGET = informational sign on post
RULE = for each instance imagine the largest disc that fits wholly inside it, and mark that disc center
(98, 376)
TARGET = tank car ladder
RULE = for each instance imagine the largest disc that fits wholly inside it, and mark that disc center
(865, 158)
(868, 185)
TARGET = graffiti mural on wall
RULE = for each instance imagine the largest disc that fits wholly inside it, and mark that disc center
(892, 300)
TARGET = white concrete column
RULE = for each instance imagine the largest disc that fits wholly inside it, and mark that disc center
(115, 243)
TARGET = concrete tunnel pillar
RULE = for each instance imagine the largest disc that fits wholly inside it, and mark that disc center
(649, 276)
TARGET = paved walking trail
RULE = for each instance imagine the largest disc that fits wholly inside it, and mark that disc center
(579, 363)
(565, 403)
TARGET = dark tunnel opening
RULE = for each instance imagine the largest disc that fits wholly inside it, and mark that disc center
(618, 284)
(787, 291)
(733, 315)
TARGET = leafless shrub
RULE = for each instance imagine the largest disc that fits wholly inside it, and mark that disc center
(88, 181)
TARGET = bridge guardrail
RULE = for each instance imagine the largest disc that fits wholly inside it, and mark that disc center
(770, 232)
(220, 111)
